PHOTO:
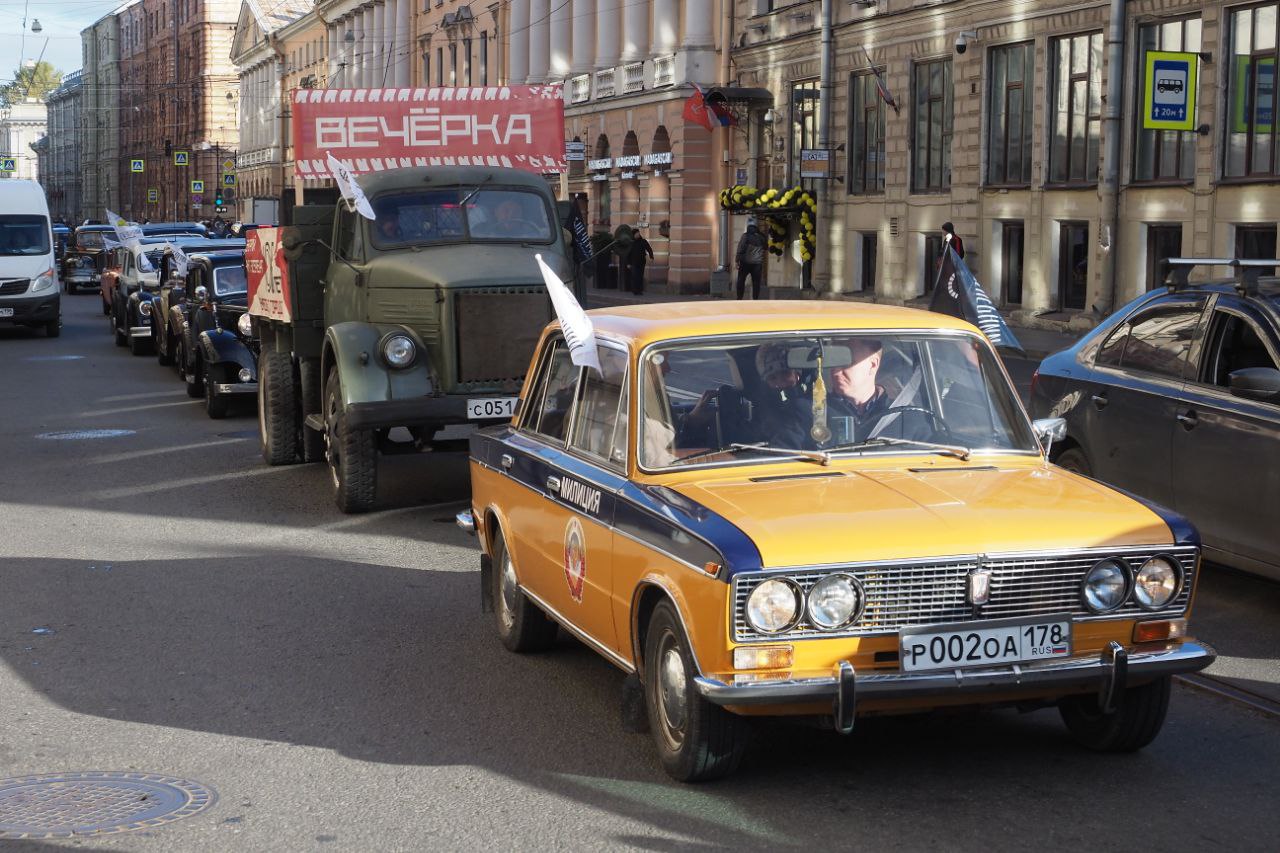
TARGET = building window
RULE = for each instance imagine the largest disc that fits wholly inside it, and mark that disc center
(804, 127)
(484, 58)
(466, 62)
(866, 135)
(931, 147)
(1163, 242)
(439, 66)
(1164, 154)
(1256, 242)
(1013, 237)
(1073, 265)
(932, 258)
(453, 64)
(1009, 113)
(1251, 93)
(426, 66)
(1077, 109)
(867, 266)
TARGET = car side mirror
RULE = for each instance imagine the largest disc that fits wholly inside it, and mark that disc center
(1049, 430)
(1255, 383)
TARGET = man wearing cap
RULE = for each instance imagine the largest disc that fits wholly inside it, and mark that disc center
(783, 406)
(750, 258)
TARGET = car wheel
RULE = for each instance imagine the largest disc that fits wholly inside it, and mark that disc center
(164, 354)
(53, 328)
(277, 408)
(352, 454)
(522, 627)
(1073, 460)
(1135, 723)
(215, 404)
(696, 740)
(309, 394)
(121, 340)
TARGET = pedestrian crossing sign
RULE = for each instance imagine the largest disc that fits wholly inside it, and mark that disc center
(137, 166)
(8, 164)
(153, 195)
(197, 187)
(228, 180)
(182, 158)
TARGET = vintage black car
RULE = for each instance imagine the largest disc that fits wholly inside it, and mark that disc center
(134, 300)
(213, 347)
(1176, 397)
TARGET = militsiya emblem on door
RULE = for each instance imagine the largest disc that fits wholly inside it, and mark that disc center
(575, 558)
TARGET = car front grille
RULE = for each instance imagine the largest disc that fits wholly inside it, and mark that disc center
(14, 286)
(497, 332)
(932, 592)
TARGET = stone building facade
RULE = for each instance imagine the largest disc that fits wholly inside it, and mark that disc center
(1007, 141)
(62, 180)
(100, 110)
(22, 125)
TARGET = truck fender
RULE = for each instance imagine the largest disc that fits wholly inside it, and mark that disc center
(220, 347)
(353, 348)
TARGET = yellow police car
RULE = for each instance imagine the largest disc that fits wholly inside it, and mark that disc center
(815, 508)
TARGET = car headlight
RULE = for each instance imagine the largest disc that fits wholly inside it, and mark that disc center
(774, 606)
(1157, 582)
(144, 308)
(1105, 586)
(245, 325)
(399, 350)
(44, 281)
(834, 601)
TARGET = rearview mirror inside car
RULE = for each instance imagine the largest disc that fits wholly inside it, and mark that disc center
(805, 357)
(1255, 383)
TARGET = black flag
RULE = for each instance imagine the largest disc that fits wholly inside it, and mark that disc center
(958, 293)
(578, 228)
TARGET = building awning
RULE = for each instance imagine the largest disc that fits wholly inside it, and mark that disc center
(740, 94)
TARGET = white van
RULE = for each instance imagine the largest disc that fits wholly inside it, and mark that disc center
(28, 272)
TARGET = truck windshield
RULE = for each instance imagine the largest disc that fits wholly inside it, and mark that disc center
(434, 216)
(227, 280)
(24, 235)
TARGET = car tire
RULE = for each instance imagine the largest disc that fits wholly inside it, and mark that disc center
(164, 354)
(121, 340)
(139, 346)
(277, 408)
(53, 329)
(311, 396)
(696, 740)
(522, 626)
(352, 454)
(1073, 459)
(1135, 723)
(216, 405)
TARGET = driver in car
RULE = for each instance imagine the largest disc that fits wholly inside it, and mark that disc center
(865, 405)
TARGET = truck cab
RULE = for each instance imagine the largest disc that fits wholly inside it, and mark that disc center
(423, 317)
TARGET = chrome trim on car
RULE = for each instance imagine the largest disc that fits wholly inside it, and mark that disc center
(612, 656)
(139, 331)
(236, 387)
(466, 522)
(1081, 673)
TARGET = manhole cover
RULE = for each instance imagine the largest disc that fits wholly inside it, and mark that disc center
(81, 434)
(66, 804)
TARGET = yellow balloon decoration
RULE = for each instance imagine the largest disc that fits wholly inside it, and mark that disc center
(776, 209)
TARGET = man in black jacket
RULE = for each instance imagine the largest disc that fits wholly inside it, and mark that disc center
(637, 260)
(750, 258)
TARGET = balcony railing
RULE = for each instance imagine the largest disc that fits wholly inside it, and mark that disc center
(664, 70)
(605, 87)
(633, 77)
(580, 88)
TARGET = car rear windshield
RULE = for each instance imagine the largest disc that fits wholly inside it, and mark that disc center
(91, 239)
(228, 280)
(722, 401)
(22, 234)
(460, 215)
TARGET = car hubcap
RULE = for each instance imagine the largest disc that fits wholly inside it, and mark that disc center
(672, 687)
(510, 593)
(331, 437)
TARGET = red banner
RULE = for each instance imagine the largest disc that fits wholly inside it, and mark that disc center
(371, 130)
(268, 274)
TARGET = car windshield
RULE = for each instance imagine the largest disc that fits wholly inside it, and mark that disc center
(24, 235)
(821, 397)
(435, 216)
(91, 239)
(228, 280)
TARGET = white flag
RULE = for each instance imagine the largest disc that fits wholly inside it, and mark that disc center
(574, 322)
(350, 189)
(180, 261)
(130, 236)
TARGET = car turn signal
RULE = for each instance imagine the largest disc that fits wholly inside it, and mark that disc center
(763, 657)
(1162, 629)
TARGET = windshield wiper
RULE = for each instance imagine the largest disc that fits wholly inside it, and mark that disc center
(813, 455)
(956, 450)
(472, 194)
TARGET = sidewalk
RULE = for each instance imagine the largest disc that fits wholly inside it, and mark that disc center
(1038, 343)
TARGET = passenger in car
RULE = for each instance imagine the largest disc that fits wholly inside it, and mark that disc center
(783, 408)
(861, 406)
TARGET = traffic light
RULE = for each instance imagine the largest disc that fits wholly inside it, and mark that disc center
(218, 200)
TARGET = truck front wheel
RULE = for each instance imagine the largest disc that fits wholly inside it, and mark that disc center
(352, 454)
(277, 408)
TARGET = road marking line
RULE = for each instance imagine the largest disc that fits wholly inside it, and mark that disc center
(121, 398)
(365, 518)
(102, 412)
(1225, 690)
(139, 454)
(169, 485)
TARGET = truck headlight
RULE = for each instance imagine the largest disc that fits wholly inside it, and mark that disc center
(399, 351)
(1157, 583)
(144, 308)
(44, 281)
(834, 601)
(1105, 586)
(774, 606)
(245, 326)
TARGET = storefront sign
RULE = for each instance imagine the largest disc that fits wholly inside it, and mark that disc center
(815, 163)
(600, 165)
(575, 151)
(599, 177)
(629, 162)
(627, 176)
(375, 129)
(658, 158)
(1169, 91)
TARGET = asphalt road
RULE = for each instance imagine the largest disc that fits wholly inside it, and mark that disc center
(334, 680)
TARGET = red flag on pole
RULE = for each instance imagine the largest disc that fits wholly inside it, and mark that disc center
(882, 88)
(697, 111)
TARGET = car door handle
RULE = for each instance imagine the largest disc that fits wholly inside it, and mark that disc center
(507, 460)
(1099, 401)
(1188, 419)
(553, 484)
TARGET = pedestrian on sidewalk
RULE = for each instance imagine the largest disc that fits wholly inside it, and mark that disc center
(948, 230)
(637, 260)
(750, 259)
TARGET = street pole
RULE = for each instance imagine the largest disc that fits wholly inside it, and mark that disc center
(1109, 180)
(823, 272)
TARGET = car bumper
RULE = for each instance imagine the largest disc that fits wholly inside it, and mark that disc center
(420, 411)
(82, 278)
(1107, 672)
(236, 387)
(140, 331)
(32, 310)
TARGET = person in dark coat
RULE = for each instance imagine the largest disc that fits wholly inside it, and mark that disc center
(956, 243)
(638, 256)
(750, 259)
(859, 400)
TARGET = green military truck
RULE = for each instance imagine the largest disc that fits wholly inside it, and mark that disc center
(423, 317)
